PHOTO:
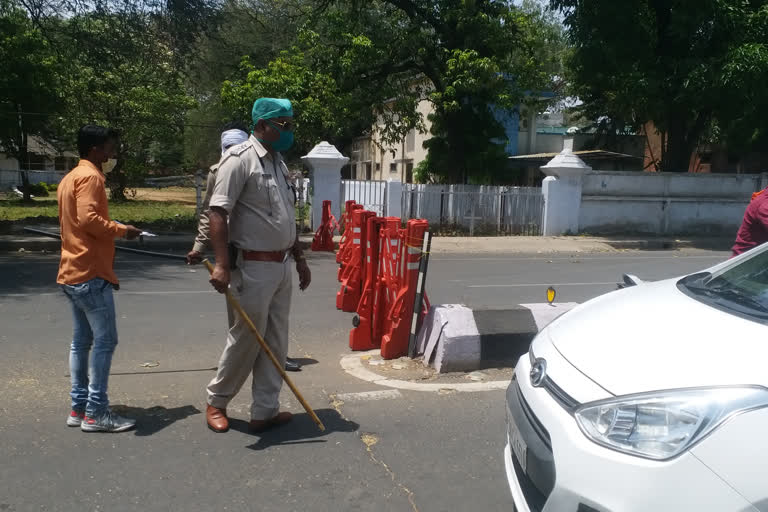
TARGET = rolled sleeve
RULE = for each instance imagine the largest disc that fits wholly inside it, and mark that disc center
(230, 180)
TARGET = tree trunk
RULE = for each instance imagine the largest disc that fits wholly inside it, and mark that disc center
(117, 182)
(27, 198)
(23, 158)
(677, 154)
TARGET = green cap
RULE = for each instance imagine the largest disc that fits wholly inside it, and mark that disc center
(268, 108)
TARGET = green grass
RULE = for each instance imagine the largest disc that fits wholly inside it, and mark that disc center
(154, 214)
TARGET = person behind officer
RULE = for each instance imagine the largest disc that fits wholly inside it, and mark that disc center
(254, 236)
(232, 134)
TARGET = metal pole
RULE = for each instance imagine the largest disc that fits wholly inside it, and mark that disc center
(423, 264)
(117, 247)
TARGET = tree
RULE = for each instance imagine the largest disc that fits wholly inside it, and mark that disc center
(28, 88)
(317, 101)
(678, 64)
(122, 74)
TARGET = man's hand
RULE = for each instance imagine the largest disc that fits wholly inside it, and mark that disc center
(194, 257)
(305, 276)
(131, 232)
(220, 278)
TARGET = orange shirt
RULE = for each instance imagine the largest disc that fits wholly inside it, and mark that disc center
(87, 234)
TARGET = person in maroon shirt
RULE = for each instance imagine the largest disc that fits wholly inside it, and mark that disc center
(754, 227)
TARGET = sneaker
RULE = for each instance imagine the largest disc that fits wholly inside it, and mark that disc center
(107, 422)
(75, 418)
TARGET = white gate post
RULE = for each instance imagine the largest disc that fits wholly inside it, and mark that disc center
(562, 192)
(394, 198)
(325, 163)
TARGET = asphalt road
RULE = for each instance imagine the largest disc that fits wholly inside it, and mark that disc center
(409, 451)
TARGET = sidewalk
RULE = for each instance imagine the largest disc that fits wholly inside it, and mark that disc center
(178, 242)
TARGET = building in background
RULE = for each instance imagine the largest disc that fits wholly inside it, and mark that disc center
(41, 156)
(533, 138)
(44, 163)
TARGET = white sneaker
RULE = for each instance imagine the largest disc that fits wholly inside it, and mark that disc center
(75, 418)
(107, 422)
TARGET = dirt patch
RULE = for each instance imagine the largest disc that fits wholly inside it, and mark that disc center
(414, 370)
(185, 195)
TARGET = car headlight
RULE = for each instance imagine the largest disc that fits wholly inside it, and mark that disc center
(662, 425)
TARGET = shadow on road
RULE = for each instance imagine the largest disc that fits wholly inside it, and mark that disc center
(27, 274)
(152, 420)
(302, 430)
(305, 361)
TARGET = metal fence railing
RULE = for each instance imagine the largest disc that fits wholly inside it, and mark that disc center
(477, 209)
(371, 194)
(12, 178)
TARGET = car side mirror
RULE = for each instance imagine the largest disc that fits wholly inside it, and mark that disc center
(629, 280)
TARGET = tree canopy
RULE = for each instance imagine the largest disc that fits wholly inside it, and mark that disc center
(170, 74)
(696, 69)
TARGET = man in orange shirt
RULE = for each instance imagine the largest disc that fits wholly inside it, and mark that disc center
(87, 279)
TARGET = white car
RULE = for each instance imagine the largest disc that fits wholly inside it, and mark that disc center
(651, 398)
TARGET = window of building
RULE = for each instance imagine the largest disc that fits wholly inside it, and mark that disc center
(393, 167)
(34, 162)
(410, 141)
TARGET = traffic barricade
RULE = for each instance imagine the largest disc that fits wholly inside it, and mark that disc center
(397, 323)
(323, 240)
(351, 233)
(363, 335)
(353, 271)
(345, 238)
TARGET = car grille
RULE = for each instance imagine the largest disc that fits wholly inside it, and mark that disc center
(539, 479)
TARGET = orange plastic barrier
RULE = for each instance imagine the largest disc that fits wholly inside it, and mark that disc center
(397, 322)
(363, 335)
(353, 271)
(347, 246)
(323, 240)
(342, 228)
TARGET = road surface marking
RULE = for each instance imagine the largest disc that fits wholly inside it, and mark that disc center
(369, 395)
(538, 284)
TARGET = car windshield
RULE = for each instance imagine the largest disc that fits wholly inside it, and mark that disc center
(741, 289)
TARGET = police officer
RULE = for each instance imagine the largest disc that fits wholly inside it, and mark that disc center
(254, 237)
(232, 134)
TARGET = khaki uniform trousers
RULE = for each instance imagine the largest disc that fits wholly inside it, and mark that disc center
(263, 288)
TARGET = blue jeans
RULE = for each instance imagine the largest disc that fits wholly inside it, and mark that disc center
(93, 311)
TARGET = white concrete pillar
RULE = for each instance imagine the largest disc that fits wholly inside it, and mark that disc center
(394, 206)
(562, 192)
(325, 163)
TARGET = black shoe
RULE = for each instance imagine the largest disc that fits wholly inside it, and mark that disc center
(291, 365)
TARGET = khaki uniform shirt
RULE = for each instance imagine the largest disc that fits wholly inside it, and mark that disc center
(203, 238)
(254, 189)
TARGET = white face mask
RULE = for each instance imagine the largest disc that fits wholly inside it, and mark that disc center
(108, 166)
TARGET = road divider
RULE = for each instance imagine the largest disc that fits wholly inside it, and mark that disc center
(456, 338)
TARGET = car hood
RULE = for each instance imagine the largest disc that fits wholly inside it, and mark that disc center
(653, 336)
